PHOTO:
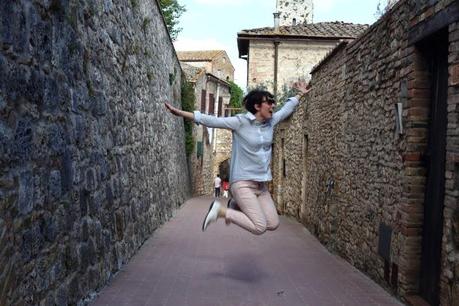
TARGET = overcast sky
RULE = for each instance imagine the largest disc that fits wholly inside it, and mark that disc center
(214, 24)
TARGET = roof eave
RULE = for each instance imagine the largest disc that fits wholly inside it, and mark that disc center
(243, 47)
(243, 39)
(248, 36)
(218, 79)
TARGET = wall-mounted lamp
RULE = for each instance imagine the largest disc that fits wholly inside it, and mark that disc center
(330, 184)
(399, 118)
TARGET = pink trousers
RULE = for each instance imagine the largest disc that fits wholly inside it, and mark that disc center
(258, 212)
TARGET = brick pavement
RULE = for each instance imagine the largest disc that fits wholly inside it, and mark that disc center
(226, 266)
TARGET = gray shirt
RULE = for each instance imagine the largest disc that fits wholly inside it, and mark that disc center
(252, 140)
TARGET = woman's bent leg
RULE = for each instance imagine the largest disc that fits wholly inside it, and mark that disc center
(269, 210)
(251, 216)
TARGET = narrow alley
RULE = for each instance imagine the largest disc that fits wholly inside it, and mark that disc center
(180, 265)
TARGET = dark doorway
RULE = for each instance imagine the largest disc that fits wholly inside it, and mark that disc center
(223, 169)
(434, 51)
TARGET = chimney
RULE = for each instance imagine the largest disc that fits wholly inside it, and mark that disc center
(294, 22)
(276, 21)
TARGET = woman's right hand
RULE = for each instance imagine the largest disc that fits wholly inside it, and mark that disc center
(171, 109)
(179, 112)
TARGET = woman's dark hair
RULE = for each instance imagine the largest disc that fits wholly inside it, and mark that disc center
(256, 97)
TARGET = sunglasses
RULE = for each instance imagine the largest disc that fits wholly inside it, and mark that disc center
(269, 100)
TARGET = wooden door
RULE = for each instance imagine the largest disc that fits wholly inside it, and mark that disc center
(435, 51)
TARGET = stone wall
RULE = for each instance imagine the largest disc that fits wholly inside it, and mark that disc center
(259, 69)
(222, 67)
(219, 65)
(222, 151)
(344, 169)
(207, 65)
(202, 162)
(295, 60)
(91, 164)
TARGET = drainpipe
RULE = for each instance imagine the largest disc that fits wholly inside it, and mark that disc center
(216, 110)
(276, 51)
(276, 65)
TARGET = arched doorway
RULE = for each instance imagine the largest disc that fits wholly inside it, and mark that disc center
(224, 170)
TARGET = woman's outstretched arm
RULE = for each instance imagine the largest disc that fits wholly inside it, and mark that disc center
(179, 112)
(231, 123)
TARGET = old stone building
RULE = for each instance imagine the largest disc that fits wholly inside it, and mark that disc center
(90, 162)
(215, 62)
(280, 55)
(369, 162)
(213, 146)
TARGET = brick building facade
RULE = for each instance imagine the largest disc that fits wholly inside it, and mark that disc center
(369, 162)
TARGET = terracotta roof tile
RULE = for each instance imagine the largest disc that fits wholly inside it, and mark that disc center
(206, 55)
(335, 29)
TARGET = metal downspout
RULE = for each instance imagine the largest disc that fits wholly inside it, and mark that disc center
(276, 65)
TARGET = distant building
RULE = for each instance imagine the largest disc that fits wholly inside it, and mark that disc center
(277, 56)
(209, 73)
(215, 62)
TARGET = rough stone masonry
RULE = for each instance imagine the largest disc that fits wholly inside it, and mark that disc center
(344, 167)
(91, 164)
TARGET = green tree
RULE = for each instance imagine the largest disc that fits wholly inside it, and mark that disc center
(188, 99)
(236, 95)
(172, 11)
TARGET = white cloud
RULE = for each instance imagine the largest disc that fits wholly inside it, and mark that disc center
(324, 5)
(227, 2)
(189, 44)
(240, 72)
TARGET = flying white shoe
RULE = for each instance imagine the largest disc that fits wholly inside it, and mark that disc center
(212, 214)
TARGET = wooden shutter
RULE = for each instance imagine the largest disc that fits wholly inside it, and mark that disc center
(199, 150)
(220, 106)
(203, 101)
(211, 104)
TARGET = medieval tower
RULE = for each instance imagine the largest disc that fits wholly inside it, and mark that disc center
(294, 12)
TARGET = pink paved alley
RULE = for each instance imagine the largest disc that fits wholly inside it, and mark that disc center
(226, 266)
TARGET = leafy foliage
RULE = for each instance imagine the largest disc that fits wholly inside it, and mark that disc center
(172, 11)
(188, 99)
(237, 95)
(383, 7)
